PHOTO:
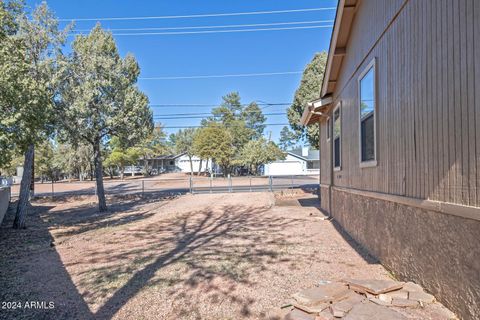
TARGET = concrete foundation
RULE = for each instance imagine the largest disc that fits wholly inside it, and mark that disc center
(438, 251)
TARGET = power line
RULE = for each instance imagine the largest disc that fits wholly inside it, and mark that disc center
(185, 127)
(263, 74)
(214, 31)
(185, 114)
(215, 105)
(199, 15)
(203, 117)
(195, 114)
(212, 27)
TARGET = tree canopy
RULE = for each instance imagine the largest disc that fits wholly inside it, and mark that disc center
(244, 123)
(258, 152)
(100, 98)
(215, 142)
(308, 90)
(254, 119)
(288, 139)
(29, 51)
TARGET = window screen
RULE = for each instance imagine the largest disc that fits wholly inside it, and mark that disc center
(367, 116)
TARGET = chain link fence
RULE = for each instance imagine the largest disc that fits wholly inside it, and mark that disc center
(181, 185)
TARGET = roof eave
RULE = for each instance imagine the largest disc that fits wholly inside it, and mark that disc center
(297, 156)
(333, 44)
(315, 108)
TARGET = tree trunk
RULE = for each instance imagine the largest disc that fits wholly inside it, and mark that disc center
(146, 168)
(191, 165)
(92, 170)
(200, 168)
(23, 199)
(102, 203)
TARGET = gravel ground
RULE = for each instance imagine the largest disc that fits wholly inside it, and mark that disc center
(219, 256)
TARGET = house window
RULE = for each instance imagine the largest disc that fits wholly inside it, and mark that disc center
(328, 129)
(337, 133)
(367, 85)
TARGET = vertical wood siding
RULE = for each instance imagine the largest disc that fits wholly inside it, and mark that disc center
(325, 154)
(428, 100)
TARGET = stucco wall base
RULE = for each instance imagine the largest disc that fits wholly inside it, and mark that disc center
(439, 251)
(324, 199)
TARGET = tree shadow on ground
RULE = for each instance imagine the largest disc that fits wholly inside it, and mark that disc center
(86, 217)
(31, 270)
(138, 248)
(213, 244)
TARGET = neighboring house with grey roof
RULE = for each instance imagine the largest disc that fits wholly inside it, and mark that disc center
(172, 163)
(300, 161)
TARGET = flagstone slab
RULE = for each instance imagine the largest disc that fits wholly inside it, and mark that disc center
(374, 286)
(372, 311)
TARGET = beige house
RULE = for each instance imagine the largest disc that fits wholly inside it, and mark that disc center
(399, 116)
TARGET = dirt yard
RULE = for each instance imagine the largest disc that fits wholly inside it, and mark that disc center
(220, 256)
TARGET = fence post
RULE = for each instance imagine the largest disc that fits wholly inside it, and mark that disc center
(292, 181)
(143, 187)
(211, 180)
(250, 183)
(53, 191)
(191, 185)
(229, 183)
(270, 182)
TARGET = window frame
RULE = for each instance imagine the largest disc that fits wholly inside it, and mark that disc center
(337, 107)
(372, 65)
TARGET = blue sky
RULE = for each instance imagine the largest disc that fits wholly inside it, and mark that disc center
(212, 54)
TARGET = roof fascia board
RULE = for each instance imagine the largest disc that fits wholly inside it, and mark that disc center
(333, 44)
(179, 155)
(317, 104)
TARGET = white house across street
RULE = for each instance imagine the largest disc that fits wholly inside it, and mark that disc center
(300, 161)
